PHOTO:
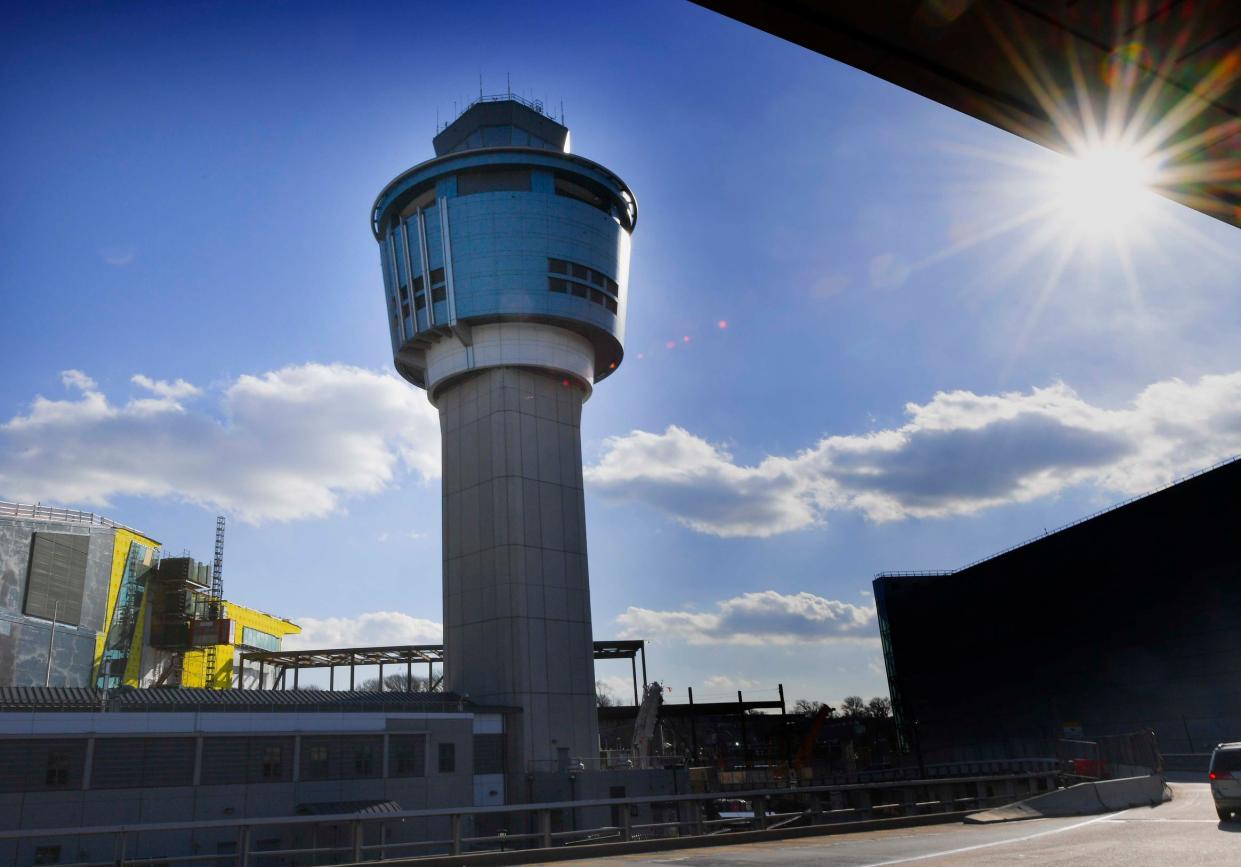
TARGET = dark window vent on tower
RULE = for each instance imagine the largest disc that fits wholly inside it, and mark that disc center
(565, 187)
(493, 181)
(581, 290)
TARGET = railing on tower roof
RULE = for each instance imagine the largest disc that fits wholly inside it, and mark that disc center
(532, 104)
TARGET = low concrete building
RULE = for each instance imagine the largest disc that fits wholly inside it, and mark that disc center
(71, 758)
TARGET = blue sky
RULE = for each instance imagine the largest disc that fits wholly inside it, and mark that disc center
(187, 193)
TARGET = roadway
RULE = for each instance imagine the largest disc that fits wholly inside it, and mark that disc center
(1184, 830)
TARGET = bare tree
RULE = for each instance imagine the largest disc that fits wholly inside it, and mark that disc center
(853, 706)
(808, 707)
(603, 696)
(398, 683)
(879, 707)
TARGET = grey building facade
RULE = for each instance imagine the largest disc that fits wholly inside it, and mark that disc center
(52, 568)
(179, 755)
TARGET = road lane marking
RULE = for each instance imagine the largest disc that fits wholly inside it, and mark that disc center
(1104, 818)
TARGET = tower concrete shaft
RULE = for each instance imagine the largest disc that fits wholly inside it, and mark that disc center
(516, 591)
(506, 281)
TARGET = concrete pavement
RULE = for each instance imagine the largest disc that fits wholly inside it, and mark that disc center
(1182, 830)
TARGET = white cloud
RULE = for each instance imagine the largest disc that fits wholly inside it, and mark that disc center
(762, 618)
(172, 390)
(724, 681)
(618, 688)
(373, 629)
(77, 379)
(959, 453)
(283, 445)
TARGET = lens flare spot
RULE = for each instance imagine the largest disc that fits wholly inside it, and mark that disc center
(685, 339)
(722, 324)
(1104, 191)
(671, 344)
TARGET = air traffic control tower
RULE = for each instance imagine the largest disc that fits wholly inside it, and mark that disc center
(506, 269)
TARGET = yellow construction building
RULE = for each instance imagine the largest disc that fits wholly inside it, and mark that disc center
(87, 601)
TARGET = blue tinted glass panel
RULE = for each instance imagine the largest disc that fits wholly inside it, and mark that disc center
(399, 249)
(259, 639)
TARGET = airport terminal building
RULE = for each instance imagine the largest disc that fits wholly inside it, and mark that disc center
(1129, 620)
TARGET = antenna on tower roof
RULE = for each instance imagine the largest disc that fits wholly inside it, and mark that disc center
(508, 84)
(480, 85)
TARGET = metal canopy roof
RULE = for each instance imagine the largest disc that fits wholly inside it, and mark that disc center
(401, 653)
(342, 656)
(1047, 69)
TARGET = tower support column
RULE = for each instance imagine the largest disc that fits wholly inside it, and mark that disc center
(517, 625)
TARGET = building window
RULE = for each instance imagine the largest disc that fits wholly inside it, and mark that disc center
(573, 190)
(47, 855)
(257, 638)
(363, 760)
(57, 769)
(493, 181)
(273, 763)
(420, 301)
(489, 754)
(405, 310)
(317, 765)
(437, 294)
(448, 758)
(417, 285)
(598, 295)
(437, 275)
(406, 755)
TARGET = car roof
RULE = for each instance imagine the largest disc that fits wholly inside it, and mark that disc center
(1234, 745)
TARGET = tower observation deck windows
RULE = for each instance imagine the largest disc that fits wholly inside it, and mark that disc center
(573, 190)
(607, 298)
(493, 181)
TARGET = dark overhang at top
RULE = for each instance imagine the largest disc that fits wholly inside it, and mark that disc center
(1038, 67)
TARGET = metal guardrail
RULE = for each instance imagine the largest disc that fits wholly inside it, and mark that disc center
(456, 843)
(1071, 524)
(39, 512)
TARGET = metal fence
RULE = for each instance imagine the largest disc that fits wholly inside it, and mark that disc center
(39, 512)
(688, 815)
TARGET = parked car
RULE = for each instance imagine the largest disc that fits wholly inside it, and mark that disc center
(1225, 776)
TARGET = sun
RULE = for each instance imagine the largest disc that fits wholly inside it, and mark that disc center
(1104, 192)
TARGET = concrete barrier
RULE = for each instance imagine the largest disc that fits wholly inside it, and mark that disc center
(1084, 799)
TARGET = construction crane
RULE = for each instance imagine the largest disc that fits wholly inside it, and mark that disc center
(644, 724)
(216, 610)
